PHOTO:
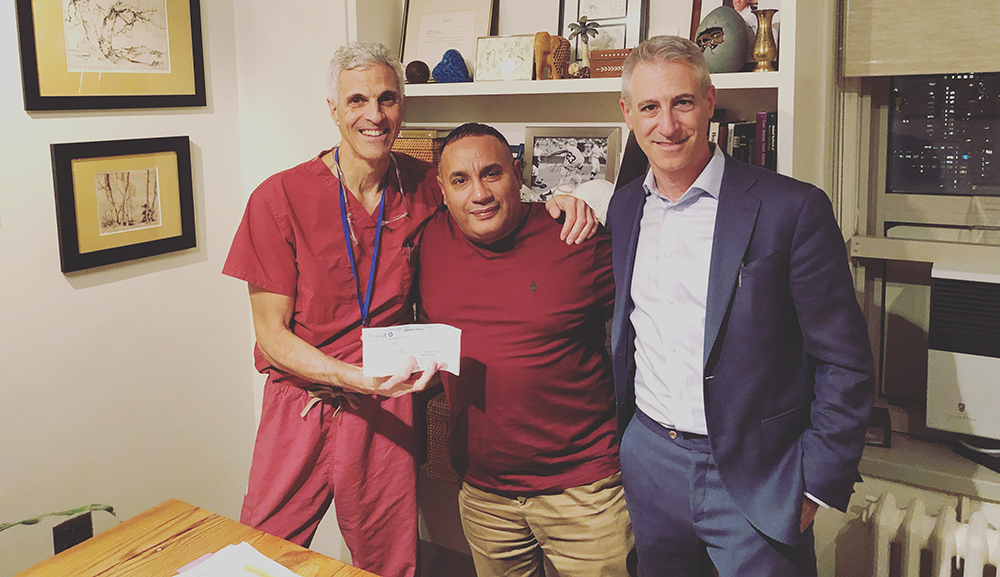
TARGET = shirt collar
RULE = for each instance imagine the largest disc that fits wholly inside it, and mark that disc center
(709, 181)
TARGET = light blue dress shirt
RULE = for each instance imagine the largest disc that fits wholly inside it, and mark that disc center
(670, 294)
(669, 291)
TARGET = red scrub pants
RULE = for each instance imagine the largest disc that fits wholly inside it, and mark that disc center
(360, 459)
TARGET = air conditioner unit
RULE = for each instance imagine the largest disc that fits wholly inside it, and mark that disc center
(963, 360)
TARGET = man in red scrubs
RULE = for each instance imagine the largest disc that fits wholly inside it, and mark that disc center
(326, 248)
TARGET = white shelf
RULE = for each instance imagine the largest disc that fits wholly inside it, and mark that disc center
(735, 80)
(930, 466)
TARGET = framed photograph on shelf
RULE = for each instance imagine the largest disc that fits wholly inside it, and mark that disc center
(120, 200)
(103, 54)
(505, 57)
(623, 23)
(431, 27)
(569, 156)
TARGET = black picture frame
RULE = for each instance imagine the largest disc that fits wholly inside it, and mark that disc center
(52, 82)
(631, 25)
(98, 229)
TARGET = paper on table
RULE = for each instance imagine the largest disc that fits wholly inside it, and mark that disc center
(385, 349)
(238, 561)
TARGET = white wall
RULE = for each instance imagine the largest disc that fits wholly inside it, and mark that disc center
(131, 384)
(282, 56)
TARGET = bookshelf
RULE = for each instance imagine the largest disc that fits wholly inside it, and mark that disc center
(801, 91)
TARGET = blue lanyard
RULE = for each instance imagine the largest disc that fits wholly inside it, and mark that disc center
(364, 305)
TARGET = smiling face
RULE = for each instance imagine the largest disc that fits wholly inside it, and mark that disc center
(482, 187)
(669, 114)
(368, 112)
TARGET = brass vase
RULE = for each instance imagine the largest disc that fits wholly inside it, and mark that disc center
(764, 48)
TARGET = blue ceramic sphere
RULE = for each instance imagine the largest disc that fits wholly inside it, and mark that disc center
(724, 38)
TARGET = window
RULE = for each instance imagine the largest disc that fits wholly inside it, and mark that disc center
(943, 170)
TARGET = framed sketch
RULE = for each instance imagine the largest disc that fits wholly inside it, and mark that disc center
(623, 23)
(505, 57)
(431, 27)
(101, 54)
(568, 156)
(120, 200)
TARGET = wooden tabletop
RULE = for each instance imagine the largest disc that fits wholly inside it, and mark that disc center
(159, 541)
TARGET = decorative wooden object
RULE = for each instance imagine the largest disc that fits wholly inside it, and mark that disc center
(607, 63)
(551, 56)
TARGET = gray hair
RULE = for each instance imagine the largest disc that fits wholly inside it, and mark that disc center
(361, 55)
(660, 50)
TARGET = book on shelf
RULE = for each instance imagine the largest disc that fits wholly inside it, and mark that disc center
(760, 137)
(771, 138)
(718, 132)
(723, 141)
(424, 132)
(741, 136)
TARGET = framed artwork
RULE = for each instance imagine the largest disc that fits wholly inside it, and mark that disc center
(120, 200)
(505, 57)
(624, 23)
(431, 27)
(103, 54)
(569, 156)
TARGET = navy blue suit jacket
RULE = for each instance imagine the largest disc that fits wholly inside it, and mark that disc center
(788, 371)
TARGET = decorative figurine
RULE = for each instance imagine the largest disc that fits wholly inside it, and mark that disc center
(551, 56)
(724, 39)
(577, 71)
(585, 30)
(452, 68)
(417, 72)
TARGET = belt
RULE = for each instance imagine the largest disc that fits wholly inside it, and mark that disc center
(665, 431)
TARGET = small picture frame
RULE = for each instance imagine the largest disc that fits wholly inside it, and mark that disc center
(505, 57)
(569, 156)
(120, 200)
(623, 23)
(111, 54)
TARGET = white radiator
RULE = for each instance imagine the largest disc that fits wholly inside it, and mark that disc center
(909, 542)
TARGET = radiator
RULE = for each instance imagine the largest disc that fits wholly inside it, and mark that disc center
(909, 542)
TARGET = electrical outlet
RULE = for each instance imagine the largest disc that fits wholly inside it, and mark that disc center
(72, 532)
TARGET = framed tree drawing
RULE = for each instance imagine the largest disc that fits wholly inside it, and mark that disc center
(120, 200)
(623, 23)
(104, 54)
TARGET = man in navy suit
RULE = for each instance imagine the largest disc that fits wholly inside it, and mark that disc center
(743, 370)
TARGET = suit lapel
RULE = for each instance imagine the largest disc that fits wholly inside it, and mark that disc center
(734, 225)
(634, 200)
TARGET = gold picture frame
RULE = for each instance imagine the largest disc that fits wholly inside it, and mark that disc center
(115, 54)
(120, 200)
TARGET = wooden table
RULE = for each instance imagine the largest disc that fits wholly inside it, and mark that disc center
(159, 541)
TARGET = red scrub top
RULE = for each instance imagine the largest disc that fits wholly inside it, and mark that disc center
(291, 242)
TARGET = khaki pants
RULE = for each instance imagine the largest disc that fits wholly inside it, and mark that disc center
(583, 531)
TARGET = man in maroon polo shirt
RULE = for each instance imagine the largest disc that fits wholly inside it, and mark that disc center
(532, 415)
